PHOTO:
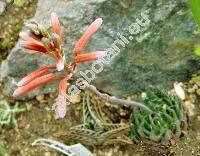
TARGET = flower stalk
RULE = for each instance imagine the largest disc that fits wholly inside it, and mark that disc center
(38, 38)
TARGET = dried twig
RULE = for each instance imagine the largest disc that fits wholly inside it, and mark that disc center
(74, 150)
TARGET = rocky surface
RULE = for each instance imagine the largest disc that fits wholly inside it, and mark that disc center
(160, 54)
(11, 23)
(2, 7)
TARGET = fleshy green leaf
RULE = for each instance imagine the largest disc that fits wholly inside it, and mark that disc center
(195, 6)
(197, 50)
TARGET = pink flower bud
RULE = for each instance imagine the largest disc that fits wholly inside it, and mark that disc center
(87, 35)
(89, 56)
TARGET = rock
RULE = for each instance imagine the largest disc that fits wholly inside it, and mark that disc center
(9, 1)
(28, 106)
(179, 90)
(76, 99)
(159, 55)
(198, 118)
(40, 98)
(190, 108)
(2, 7)
(198, 92)
(192, 89)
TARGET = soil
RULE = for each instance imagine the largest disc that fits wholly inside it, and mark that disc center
(11, 23)
(39, 121)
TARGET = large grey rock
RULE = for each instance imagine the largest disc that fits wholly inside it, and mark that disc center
(163, 54)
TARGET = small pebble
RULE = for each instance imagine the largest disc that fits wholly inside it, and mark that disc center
(198, 92)
(173, 142)
(189, 107)
(8, 1)
(179, 90)
(143, 95)
(76, 99)
(28, 106)
(40, 98)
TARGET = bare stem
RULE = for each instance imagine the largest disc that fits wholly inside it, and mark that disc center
(115, 100)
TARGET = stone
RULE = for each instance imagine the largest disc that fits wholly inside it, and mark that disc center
(40, 98)
(2, 7)
(190, 108)
(160, 54)
(75, 99)
(198, 92)
(9, 1)
(179, 90)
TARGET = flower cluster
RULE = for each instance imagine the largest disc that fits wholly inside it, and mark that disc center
(37, 38)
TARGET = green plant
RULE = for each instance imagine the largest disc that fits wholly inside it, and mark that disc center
(164, 124)
(195, 7)
(38, 38)
(94, 130)
(2, 149)
(197, 50)
(20, 3)
(71, 142)
(6, 44)
(7, 113)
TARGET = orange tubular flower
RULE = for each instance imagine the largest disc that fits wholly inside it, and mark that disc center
(31, 44)
(35, 83)
(61, 100)
(87, 35)
(39, 39)
(35, 74)
(89, 56)
(56, 30)
(55, 25)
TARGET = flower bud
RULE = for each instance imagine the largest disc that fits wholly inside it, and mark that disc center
(56, 40)
(33, 28)
(47, 44)
(43, 31)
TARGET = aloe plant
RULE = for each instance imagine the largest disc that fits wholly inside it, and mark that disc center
(164, 124)
(94, 130)
(7, 113)
(39, 39)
